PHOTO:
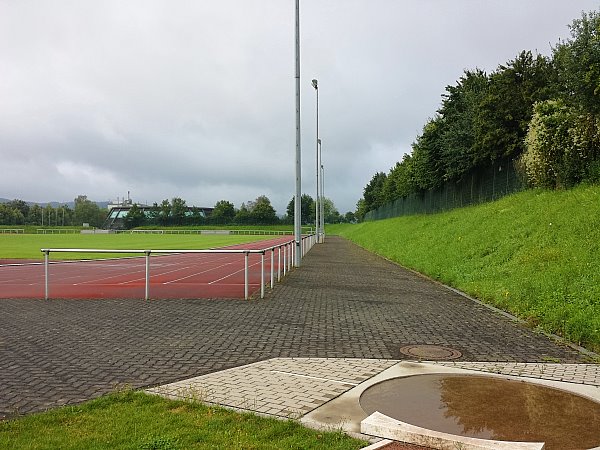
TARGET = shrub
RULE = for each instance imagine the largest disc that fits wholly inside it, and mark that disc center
(561, 145)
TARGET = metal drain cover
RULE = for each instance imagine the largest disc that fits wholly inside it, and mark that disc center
(430, 352)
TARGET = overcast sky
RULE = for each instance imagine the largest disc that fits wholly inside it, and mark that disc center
(196, 99)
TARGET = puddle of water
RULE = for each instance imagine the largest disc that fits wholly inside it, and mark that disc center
(489, 408)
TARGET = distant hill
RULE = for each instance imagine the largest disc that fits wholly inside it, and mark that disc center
(70, 204)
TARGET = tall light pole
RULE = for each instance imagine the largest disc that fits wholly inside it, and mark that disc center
(297, 202)
(315, 84)
(322, 192)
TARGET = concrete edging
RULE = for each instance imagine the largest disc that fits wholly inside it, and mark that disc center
(380, 425)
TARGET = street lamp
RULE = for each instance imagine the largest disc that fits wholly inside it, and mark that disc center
(322, 193)
(315, 84)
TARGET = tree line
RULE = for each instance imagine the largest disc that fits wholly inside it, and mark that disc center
(19, 212)
(175, 212)
(543, 112)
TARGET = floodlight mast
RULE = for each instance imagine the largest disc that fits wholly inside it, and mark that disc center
(322, 191)
(297, 202)
(315, 84)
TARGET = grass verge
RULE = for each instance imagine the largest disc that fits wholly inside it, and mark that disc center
(534, 254)
(135, 420)
(27, 246)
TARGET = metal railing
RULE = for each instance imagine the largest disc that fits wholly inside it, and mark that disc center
(285, 251)
(58, 230)
(12, 230)
(215, 231)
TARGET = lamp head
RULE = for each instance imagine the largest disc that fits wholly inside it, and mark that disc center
(315, 84)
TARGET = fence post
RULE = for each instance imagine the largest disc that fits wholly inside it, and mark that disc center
(272, 268)
(279, 264)
(246, 276)
(46, 254)
(262, 275)
(147, 293)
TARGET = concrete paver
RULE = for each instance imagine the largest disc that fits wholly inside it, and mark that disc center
(285, 387)
(342, 303)
(292, 387)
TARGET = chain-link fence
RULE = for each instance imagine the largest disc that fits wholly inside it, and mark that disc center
(481, 185)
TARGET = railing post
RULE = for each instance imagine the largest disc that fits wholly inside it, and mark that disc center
(278, 264)
(262, 275)
(246, 276)
(46, 255)
(272, 267)
(147, 279)
(284, 259)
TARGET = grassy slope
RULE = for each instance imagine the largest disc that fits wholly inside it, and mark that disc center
(27, 246)
(535, 254)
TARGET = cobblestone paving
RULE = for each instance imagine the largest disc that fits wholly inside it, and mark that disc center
(284, 387)
(292, 387)
(342, 303)
(588, 374)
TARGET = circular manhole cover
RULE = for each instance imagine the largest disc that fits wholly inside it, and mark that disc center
(430, 352)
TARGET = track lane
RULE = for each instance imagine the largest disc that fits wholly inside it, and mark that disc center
(171, 276)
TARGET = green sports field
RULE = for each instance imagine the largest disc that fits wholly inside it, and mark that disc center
(27, 246)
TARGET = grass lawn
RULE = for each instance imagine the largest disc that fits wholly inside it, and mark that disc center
(535, 254)
(134, 420)
(27, 246)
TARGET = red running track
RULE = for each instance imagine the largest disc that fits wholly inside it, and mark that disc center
(192, 275)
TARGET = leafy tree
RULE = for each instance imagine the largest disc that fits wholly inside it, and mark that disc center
(578, 64)
(330, 212)
(178, 211)
(263, 212)
(307, 209)
(19, 205)
(373, 192)
(427, 166)
(35, 215)
(135, 217)
(10, 216)
(223, 213)
(400, 181)
(349, 217)
(64, 215)
(242, 216)
(361, 210)
(87, 211)
(458, 119)
(164, 213)
(484, 118)
(507, 107)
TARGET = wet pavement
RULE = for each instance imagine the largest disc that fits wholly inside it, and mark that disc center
(343, 303)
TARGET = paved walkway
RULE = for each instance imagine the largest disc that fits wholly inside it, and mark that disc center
(342, 303)
(293, 387)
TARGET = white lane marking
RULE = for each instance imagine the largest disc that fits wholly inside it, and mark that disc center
(197, 273)
(232, 274)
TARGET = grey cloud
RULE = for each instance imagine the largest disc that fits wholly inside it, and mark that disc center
(196, 99)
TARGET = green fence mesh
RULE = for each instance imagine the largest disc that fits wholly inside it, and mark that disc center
(479, 186)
